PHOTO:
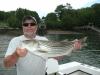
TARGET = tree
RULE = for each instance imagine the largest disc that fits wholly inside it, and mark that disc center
(86, 15)
(52, 21)
(96, 8)
(20, 13)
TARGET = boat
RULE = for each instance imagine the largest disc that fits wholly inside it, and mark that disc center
(71, 68)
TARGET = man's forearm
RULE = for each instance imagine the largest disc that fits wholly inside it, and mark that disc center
(11, 60)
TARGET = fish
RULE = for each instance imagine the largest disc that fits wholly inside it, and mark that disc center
(50, 48)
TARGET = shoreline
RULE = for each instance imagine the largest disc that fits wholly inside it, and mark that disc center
(18, 31)
(61, 32)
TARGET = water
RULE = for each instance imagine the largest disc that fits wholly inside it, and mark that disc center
(4, 41)
(88, 55)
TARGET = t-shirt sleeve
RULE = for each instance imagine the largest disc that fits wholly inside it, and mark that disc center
(12, 47)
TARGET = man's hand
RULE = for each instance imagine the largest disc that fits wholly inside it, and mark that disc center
(77, 44)
(11, 60)
(21, 52)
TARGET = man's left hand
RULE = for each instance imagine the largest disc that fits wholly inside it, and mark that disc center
(77, 44)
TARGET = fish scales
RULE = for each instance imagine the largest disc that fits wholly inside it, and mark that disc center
(50, 48)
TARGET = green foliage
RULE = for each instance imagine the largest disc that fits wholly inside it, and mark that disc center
(59, 8)
(12, 21)
(52, 21)
(14, 18)
(70, 18)
(20, 13)
(96, 9)
(63, 18)
(86, 15)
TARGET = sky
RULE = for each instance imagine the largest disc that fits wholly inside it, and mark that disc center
(43, 7)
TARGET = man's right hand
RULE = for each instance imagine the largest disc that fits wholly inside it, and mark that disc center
(21, 52)
(11, 60)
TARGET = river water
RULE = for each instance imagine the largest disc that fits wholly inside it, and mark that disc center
(87, 55)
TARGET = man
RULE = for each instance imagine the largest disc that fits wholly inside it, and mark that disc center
(26, 63)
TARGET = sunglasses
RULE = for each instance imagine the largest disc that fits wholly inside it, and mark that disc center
(27, 24)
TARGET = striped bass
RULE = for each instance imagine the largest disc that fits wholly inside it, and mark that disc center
(51, 48)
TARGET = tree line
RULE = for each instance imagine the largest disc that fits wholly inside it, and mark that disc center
(64, 17)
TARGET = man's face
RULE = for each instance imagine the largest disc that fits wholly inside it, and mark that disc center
(29, 28)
